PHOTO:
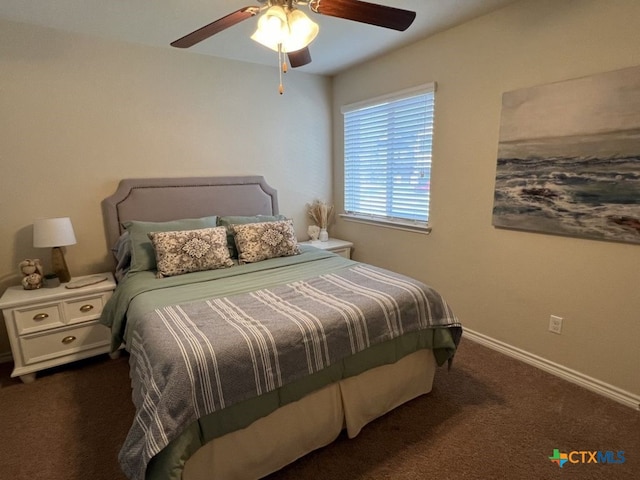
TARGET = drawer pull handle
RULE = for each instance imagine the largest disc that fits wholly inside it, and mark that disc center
(40, 316)
(86, 308)
(69, 339)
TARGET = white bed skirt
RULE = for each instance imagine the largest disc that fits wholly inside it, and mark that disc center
(316, 420)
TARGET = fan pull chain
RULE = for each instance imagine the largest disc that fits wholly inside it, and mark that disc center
(282, 64)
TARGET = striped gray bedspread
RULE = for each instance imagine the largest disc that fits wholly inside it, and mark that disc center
(192, 359)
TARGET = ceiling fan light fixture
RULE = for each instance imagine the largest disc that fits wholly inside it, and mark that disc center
(302, 31)
(272, 28)
(286, 30)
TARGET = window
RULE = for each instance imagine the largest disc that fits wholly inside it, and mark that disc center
(387, 159)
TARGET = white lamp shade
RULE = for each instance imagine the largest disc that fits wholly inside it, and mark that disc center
(53, 232)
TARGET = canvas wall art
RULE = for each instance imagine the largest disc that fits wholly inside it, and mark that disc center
(569, 158)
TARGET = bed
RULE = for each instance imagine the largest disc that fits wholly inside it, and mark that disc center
(244, 363)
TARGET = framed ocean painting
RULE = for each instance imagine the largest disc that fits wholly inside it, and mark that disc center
(569, 158)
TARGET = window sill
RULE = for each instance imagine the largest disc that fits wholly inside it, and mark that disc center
(397, 225)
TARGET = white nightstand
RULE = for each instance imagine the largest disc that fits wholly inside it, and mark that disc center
(52, 326)
(341, 247)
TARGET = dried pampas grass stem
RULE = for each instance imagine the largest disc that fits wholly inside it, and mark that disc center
(321, 213)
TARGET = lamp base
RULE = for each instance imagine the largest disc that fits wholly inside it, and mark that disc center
(59, 265)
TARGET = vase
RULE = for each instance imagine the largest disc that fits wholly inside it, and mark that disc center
(324, 235)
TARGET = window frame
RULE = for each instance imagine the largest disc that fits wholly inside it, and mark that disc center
(417, 226)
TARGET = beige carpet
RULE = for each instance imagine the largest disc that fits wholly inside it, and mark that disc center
(490, 417)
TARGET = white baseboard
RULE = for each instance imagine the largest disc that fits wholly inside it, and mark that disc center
(604, 389)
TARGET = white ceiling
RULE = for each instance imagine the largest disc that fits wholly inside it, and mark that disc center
(340, 43)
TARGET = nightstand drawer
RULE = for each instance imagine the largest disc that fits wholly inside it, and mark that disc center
(40, 347)
(36, 319)
(85, 308)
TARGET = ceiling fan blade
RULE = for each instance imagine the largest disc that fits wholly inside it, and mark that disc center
(215, 27)
(299, 58)
(364, 12)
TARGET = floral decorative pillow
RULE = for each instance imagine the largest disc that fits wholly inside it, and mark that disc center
(260, 241)
(227, 221)
(188, 251)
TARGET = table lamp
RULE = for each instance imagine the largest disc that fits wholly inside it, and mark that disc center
(55, 233)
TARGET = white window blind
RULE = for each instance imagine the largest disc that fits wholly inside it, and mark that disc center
(387, 164)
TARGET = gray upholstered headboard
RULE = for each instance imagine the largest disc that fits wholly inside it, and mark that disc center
(164, 199)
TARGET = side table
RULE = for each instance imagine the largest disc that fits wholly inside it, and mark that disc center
(53, 326)
(341, 247)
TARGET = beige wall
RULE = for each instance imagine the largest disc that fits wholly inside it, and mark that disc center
(78, 114)
(502, 283)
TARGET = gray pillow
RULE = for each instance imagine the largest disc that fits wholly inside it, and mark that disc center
(122, 251)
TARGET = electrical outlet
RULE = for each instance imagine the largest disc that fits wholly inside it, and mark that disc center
(555, 324)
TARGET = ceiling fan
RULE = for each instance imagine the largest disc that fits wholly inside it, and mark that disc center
(286, 29)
